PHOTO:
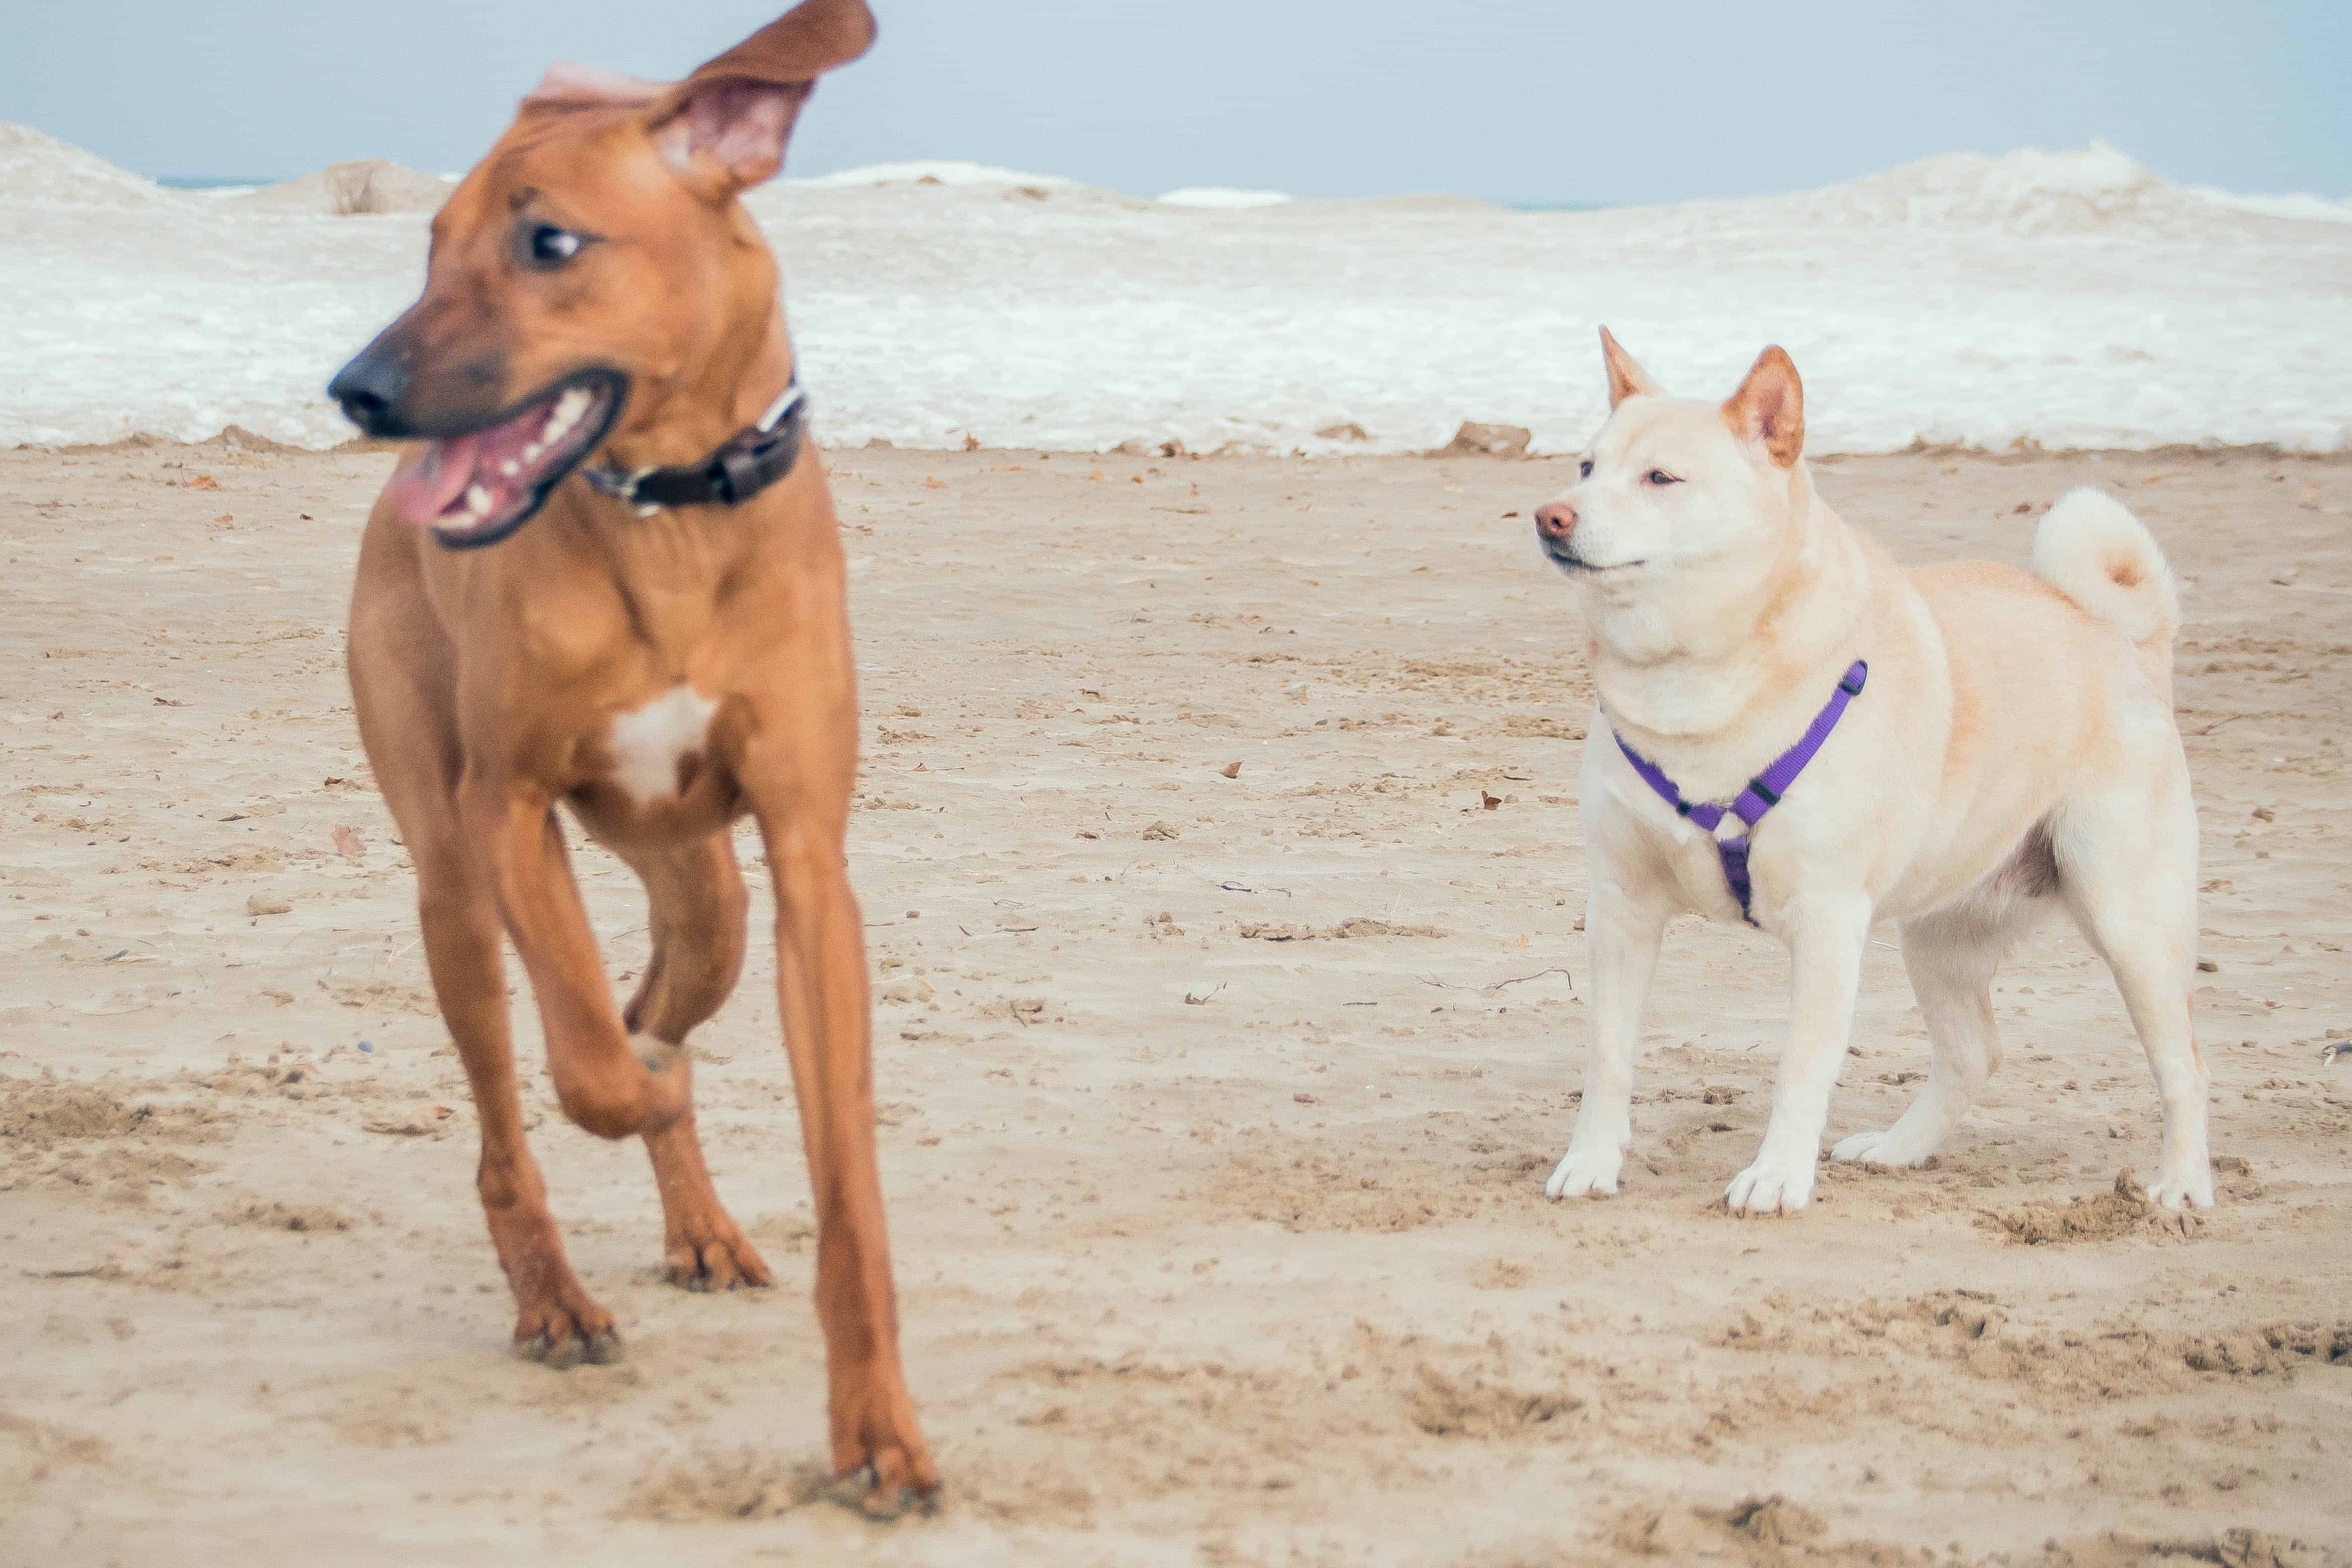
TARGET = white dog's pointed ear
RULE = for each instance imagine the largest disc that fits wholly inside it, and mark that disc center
(723, 129)
(1626, 377)
(1769, 407)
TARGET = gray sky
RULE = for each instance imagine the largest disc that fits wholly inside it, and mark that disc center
(1509, 99)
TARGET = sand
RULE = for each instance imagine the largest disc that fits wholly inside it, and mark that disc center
(1217, 1109)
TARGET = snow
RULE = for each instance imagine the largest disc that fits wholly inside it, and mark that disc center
(2319, 209)
(932, 172)
(364, 185)
(1223, 196)
(2064, 299)
(35, 167)
(2095, 194)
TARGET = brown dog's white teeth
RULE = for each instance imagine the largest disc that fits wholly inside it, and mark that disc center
(569, 410)
(478, 500)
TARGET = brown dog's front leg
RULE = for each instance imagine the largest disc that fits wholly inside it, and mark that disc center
(556, 1321)
(821, 963)
(601, 1083)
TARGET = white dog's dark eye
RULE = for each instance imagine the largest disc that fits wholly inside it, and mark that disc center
(547, 248)
(1659, 477)
(1585, 469)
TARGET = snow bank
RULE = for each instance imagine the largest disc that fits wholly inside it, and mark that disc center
(1223, 196)
(2096, 192)
(2309, 208)
(345, 190)
(2066, 299)
(930, 172)
(39, 168)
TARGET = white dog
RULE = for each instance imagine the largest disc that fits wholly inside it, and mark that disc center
(1959, 748)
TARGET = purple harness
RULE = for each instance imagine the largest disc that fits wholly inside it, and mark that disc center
(1763, 792)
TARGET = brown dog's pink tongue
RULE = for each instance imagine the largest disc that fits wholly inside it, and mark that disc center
(429, 483)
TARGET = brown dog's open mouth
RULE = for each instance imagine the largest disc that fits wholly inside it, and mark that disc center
(476, 487)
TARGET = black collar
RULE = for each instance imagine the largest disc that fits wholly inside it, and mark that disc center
(745, 463)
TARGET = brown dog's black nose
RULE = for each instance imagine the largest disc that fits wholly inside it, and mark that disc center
(369, 388)
(1555, 520)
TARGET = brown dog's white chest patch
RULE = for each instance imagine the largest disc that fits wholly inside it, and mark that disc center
(646, 745)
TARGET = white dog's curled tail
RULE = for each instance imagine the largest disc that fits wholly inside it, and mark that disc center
(2094, 550)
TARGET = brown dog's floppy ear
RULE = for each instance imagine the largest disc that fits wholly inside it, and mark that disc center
(724, 127)
(1769, 407)
(1626, 378)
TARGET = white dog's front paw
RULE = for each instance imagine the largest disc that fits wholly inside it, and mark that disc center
(1586, 1171)
(2189, 1187)
(1898, 1145)
(1774, 1185)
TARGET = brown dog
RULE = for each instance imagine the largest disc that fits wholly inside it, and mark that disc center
(661, 660)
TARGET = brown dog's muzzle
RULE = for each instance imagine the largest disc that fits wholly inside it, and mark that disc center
(395, 391)
(490, 459)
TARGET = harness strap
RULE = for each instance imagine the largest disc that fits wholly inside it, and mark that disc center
(1762, 793)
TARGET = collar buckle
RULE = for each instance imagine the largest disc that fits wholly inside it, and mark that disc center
(746, 464)
(623, 487)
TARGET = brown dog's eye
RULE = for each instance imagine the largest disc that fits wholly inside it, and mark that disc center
(1659, 477)
(1585, 469)
(547, 248)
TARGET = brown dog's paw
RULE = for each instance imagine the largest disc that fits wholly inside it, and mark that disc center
(564, 1333)
(718, 1258)
(600, 1349)
(877, 1446)
(859, 1489)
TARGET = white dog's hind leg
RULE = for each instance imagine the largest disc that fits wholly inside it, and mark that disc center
(1826, 935)
(1951, 956)
(2127, 871)
(1622, 938)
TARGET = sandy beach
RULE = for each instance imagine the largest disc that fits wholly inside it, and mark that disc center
(1216, 1108)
